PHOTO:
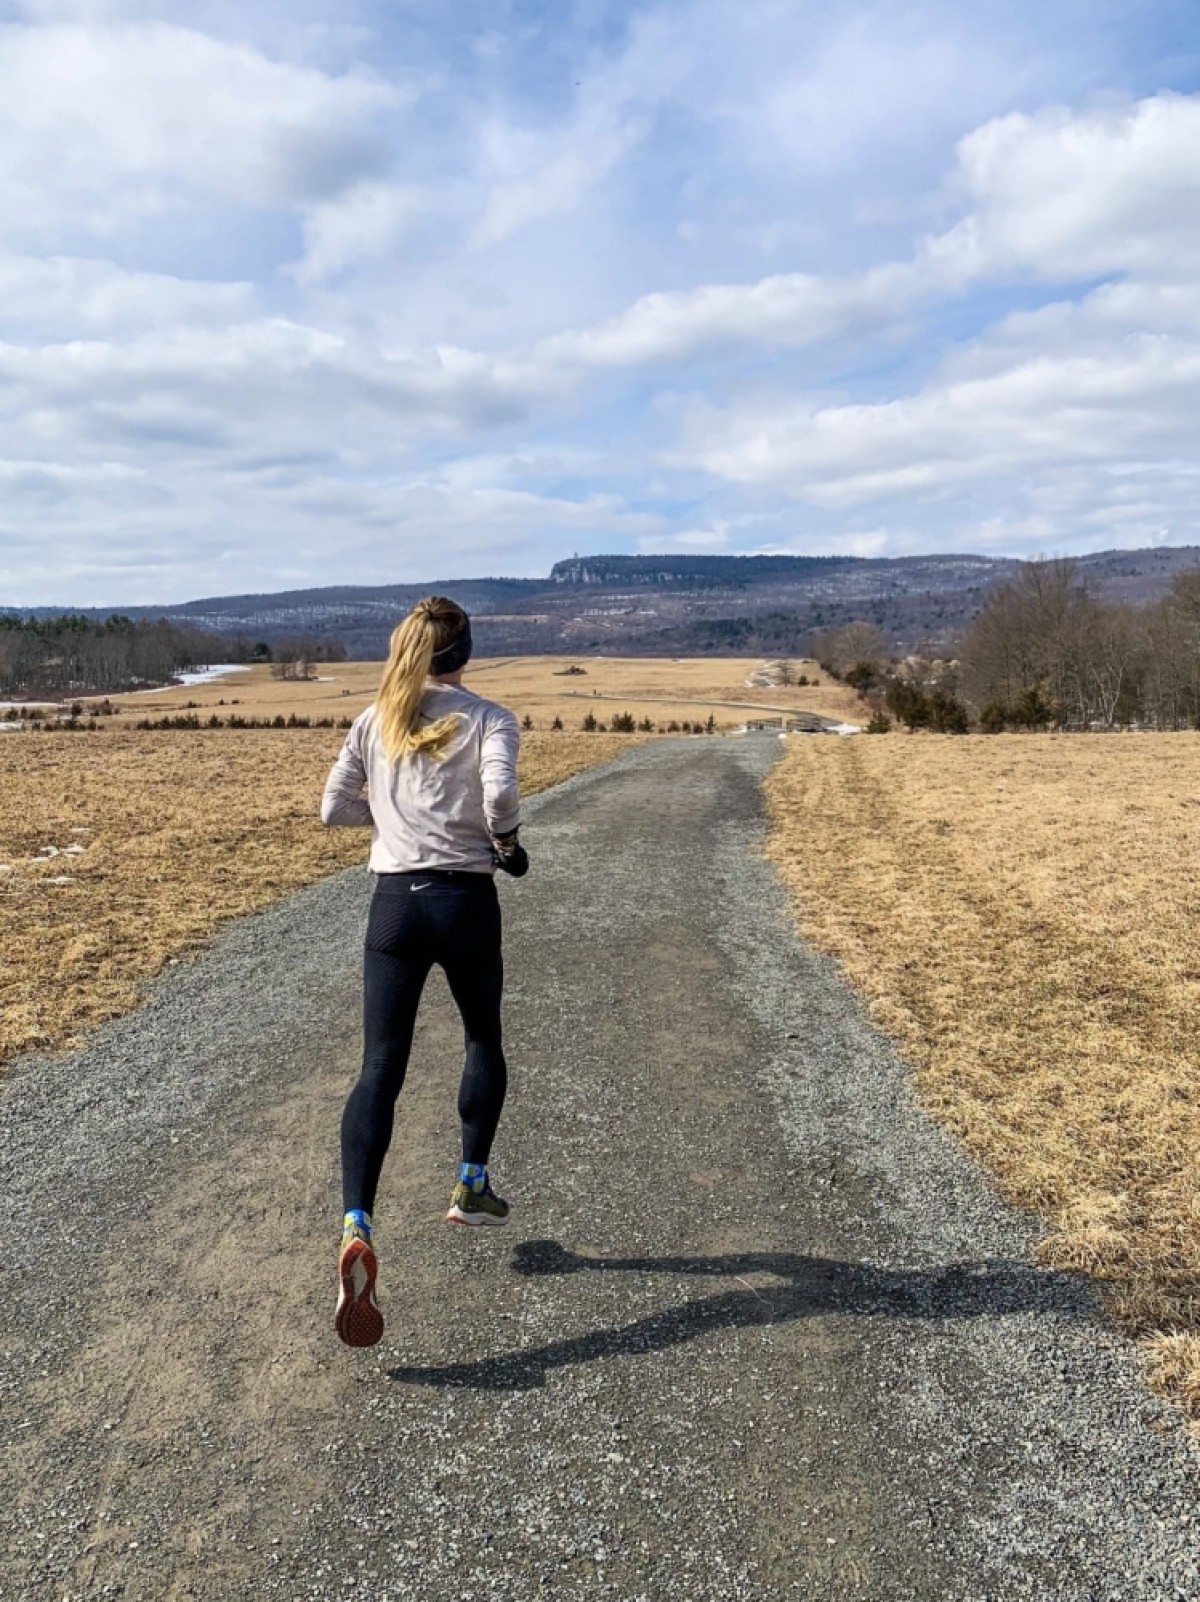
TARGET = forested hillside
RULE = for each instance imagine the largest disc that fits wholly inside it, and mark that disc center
(673, 605)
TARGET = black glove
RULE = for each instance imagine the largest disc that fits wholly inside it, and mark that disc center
(509, 855)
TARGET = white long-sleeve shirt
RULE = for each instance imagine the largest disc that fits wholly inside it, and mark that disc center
(431, 812)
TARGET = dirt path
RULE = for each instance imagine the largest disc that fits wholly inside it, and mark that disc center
(757, 1331)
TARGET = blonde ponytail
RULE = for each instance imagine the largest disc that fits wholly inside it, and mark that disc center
(431, 625)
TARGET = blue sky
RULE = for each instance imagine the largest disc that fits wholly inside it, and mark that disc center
(371, 292)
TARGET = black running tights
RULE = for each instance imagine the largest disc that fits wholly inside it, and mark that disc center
(416, 920)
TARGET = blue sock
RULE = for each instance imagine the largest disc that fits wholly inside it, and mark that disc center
(475, 1175)
(357, 1216)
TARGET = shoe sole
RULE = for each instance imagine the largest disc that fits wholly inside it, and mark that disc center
(473, 1220)
(358, 1321)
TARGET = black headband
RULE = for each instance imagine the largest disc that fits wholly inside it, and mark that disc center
(455, 655)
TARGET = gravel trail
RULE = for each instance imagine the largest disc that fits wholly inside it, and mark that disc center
(758, 1330)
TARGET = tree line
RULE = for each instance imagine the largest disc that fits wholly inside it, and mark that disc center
(1044, 651)
(69, 654)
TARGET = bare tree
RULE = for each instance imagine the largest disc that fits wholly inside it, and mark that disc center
(284, 664)
(1042, 641)
(1030, 638)
(1109, 659)
(839, 650)
(1171, 671)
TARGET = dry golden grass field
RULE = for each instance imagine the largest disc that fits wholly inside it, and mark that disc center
(1023, 913)
(159, 837)
(653, 687)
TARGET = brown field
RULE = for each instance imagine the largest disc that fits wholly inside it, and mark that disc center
(653, 687)
(183, 829)
(179, 831)
(1022, 913)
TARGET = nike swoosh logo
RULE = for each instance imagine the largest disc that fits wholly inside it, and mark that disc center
(413, 888)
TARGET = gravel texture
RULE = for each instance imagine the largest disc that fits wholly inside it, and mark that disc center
(758, 1329)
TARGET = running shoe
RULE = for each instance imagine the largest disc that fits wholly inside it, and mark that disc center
(469, 1206)
(358, 1320)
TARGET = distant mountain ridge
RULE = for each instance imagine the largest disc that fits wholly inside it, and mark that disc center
(668, 605)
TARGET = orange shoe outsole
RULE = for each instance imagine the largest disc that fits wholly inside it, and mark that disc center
(358, 1320)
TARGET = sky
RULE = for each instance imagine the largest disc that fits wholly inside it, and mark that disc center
(395, 290)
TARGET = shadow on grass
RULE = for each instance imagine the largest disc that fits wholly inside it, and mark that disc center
(799, 1287)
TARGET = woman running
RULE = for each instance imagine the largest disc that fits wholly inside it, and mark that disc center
(440, 767)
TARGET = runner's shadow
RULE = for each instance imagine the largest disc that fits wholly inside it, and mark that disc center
(787, 1286)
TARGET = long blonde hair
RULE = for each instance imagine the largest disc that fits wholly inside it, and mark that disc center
(431, 625)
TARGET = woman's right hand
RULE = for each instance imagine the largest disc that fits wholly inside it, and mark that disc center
(509, 855)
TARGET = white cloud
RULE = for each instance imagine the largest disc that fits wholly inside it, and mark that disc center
(783, 310)
(256, 387)
(1044, 202)
(369, 221)
(178, 544)
(871, 542)
(1070, 195)
(1033, 409)
(96, 121)
(1032, 412)
(721, 534)
(342, 289)
(42, 297)
(533, 464)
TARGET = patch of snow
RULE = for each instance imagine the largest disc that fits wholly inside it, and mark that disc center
(73, 850)
(6, 726)
(200, 676)
(48, 851)
(62, 878)
(845, 728)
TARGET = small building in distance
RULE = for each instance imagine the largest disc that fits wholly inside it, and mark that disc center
(764, 726)
(805, 723)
